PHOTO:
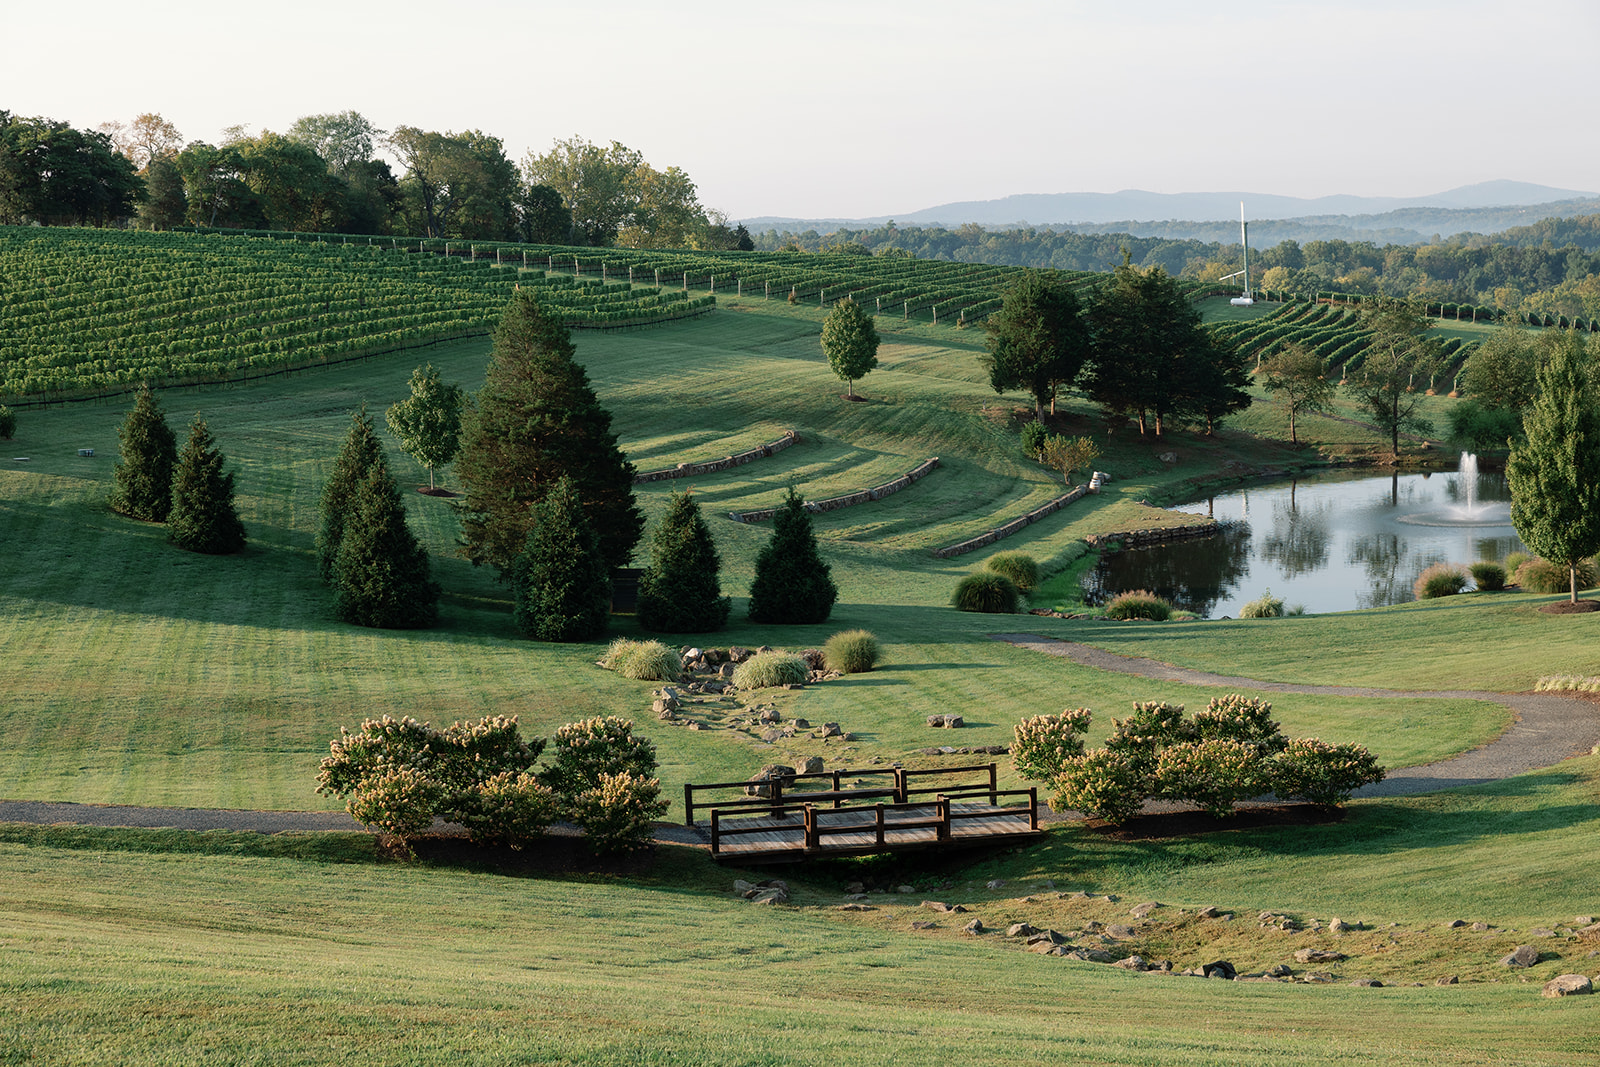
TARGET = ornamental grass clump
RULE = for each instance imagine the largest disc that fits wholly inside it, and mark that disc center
(766, 670)
(851, 652)
(1439, 580)
(986, 592)
(1139, 604)
(1265, 606)
(1488, 575)
(647, 661)
(1021, 568)
(1541, 576)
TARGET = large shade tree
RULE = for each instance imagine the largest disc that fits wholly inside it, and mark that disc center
(850, 341)
(1554, 473)
(1038, 340)
(1386, 382)
(536, 419)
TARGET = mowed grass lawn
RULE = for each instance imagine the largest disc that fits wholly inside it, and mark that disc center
(137, 673)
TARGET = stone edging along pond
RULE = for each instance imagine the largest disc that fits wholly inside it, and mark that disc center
(877, 492)
(712, 466)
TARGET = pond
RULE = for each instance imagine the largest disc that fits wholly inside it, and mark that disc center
(1332, 542)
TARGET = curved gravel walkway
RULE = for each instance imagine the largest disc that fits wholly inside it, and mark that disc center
(1546, 727)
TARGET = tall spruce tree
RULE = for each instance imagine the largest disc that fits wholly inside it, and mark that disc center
(360, 451)
(203, 517)
(1555, 473)
(142, 485)
(680, 592)
(561, 581)
(792, 583)
(535, 419)
(381, 572)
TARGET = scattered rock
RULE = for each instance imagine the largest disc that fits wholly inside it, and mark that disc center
(856, 896)
(1318, 955)
(856, 907)
(1046, 937)
(1120, 932)
(1479, 928)
(1524, 956)
(1140, 911)
(1339, 926)
(906, 889)
(1367, 983)
(1583, 920)
(1208, 913)
(1133, 963)
(810, 765)
(802, 724)
(1317, 978)
(1590, 931)
(1568, 985)
(1456, 924)
(946, 722)
(1280, 970)
(771, 736)
(769, 715)
(995, 883)
(924, 924)
(1448, 979)
(1047, 948)
(941, 906)
(830, 729)
(1219, 969)
(855, 887)
(761, 780)
(1021, 930)
(1541, 932)
(974, 927)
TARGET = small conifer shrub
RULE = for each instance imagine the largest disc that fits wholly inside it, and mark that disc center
(680, 592)
(561, 583)
(142, 484)
(792, 583)
(381, 574)
(203, 517)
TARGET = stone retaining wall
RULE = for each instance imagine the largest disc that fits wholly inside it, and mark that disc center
(1145, 538)
(877, 492)
(1000, 533)
(712, 466)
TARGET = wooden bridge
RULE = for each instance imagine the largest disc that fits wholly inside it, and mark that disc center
(804, 816)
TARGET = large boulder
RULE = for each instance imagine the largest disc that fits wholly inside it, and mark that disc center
(761, 780)
(1568, 985)
(1524, 956)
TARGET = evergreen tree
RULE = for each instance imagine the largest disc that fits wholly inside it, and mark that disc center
(535, 419)
(1555, 473)
(561, 581)
(792, 583)
(850, 341)
(428, 422)
(680, 593)
(381, 571)
(142, 486)
(203, 518)
(361, 450)
(8, 423)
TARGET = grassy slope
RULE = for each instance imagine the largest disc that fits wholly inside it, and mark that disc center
(139, 674)
(111, 954)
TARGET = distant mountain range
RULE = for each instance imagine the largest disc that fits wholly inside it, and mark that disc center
(1486, 207)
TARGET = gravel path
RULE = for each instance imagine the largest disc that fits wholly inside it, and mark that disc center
(1546, 727)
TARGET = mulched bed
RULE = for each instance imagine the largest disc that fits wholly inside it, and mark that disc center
(554, 854)
(440, 491)
(1154, 826)
(1568, 607)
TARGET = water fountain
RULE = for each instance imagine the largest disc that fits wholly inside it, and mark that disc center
(1468, 511)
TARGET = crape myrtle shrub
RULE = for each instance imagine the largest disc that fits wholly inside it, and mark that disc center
(1231, 751)
(400, 775)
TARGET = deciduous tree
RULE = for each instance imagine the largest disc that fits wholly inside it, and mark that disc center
(1296, 376)
(1555, 473)
(142, 483)
(343, 139)
(428, 422)
(850, 341)
(598, 184)
(203, 517)
(1038, 340)
(535, 419)
(1398, 354)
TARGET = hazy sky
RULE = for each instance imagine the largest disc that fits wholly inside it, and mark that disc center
(822, 108)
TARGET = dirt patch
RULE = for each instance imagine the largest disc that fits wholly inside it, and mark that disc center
(1158, 825)
(1570, 607)
(853, 399)
(440, 491)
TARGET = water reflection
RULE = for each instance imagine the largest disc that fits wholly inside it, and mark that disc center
(1332, 543)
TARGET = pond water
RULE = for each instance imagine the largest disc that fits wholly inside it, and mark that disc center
(1333, 542)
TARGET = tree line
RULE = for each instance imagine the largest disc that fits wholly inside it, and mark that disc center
(1525, 269)
(327, 174)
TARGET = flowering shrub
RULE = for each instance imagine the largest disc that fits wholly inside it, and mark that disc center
(1101, 783)
(1042, 745)
(1212, 774)
(398, 800)
(588, 750)
(616, 815)
(1313, 770)
(1153, 724)
(1239, 718)
(511, 808)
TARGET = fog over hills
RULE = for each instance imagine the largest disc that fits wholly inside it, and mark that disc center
(1486, 207)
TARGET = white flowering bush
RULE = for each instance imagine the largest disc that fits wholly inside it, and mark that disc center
(1313, 770)
(1103, 784)
(618, 813)
(1213, 774)
(1153, 725)
(1236, 717)
(398, 801)
(511, 808)
(590, 749)
(1040, 746)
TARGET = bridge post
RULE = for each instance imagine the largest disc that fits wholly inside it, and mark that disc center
(994, 788)
(812, 837)
(716, 833)
(880, 824)
(1033, 807)
(688, 804)
(942, 807)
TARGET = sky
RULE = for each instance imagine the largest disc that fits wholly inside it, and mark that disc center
(863, 108)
